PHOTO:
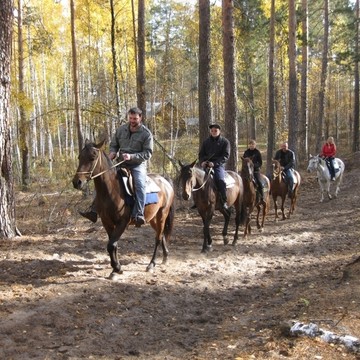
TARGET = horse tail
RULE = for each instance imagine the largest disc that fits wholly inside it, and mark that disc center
(169, 222)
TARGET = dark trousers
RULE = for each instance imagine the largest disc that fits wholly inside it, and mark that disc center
(330, 161)
(219, 178)
(289, 178)
(259, 185)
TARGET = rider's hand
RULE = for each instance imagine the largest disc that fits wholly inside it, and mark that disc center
(210, 164)
(126, 156)
(112, 156)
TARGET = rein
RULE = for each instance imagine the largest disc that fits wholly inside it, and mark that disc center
(93, 168)
(203, 184)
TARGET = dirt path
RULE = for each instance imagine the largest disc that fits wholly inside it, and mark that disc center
(55, 300)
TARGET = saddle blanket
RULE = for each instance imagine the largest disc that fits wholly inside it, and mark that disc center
(229, 180)
(152, 190)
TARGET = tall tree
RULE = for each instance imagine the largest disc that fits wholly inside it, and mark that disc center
(7, 203)
(230, 114)
(323, 76)
(23, 128)
(293, 109)
(355, 144)
(114, 59)
(271, 92)
(75, 77)
(304, 113)
(141, 79)
(204, 70)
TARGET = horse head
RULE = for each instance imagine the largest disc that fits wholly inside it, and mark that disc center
(247, 169)
(89, 162)
(314, 161)
(277, 169)
(187, 179)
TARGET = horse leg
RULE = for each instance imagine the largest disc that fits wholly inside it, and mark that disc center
(258, 215)
(239, 208)
(337, 184)
(226, 215)
(328, 190)
(207, 237)
(112, 247)
(276, 208)
(283, 206)
(322, 190)
(158, 224)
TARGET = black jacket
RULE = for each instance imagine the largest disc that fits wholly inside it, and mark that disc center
(216, 150)
(255, 156)
(286, 159)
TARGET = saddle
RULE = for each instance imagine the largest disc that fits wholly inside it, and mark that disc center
(229, 180)
(336, 165)
(151, 187)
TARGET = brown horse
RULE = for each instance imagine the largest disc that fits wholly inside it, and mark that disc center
(112, 202)
(199, 184)
(251, 197)
(279, 188)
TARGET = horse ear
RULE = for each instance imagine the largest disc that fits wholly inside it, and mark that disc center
(193, 163)
(242, 158)
(310, 156)
(100, 144)
(180, 163)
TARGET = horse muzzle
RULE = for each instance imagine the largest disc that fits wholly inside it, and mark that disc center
(78, 183)
(186, 196)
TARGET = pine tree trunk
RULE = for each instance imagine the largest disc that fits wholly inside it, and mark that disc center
(231, 125)
(7, 203)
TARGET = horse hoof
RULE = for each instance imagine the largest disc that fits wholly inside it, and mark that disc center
(115, 276)
(226, 240)
(261, 230)
(150, 268)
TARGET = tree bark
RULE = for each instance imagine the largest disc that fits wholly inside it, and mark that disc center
(7, 202)
(271, 124)
(231, 125)
(304, 113)
(355, 144)
(204, 70)
(141, 79)
(23, 126)
(75, 78)
(323, 76)
(293, 109)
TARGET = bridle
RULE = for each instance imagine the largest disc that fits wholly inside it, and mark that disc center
(98, 159)
(206, 180)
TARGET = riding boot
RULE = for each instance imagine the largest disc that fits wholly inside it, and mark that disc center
(223, 199)
(261, 192)
(290, 191)
(91, 214)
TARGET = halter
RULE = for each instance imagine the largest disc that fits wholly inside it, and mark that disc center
(98, 159)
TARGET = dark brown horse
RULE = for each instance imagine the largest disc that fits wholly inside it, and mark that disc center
(252, 198)
(111, 202)
(279, 188)
(200, 185)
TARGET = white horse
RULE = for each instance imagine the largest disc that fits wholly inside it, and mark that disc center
(323, 174)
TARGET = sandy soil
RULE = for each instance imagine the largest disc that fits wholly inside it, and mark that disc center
(233, 303)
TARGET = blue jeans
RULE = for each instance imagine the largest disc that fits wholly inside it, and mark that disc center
(219, 177)
(139, 176)
(289, 178)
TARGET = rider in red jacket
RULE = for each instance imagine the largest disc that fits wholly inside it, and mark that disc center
(329, 152)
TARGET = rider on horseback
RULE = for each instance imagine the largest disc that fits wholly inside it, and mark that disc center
(286, 157)
(255, 155)
(214, 153)
(329, 152)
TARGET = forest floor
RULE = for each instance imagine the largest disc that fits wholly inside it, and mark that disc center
(56, 301)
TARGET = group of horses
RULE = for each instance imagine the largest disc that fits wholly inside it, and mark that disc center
(115, 211)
